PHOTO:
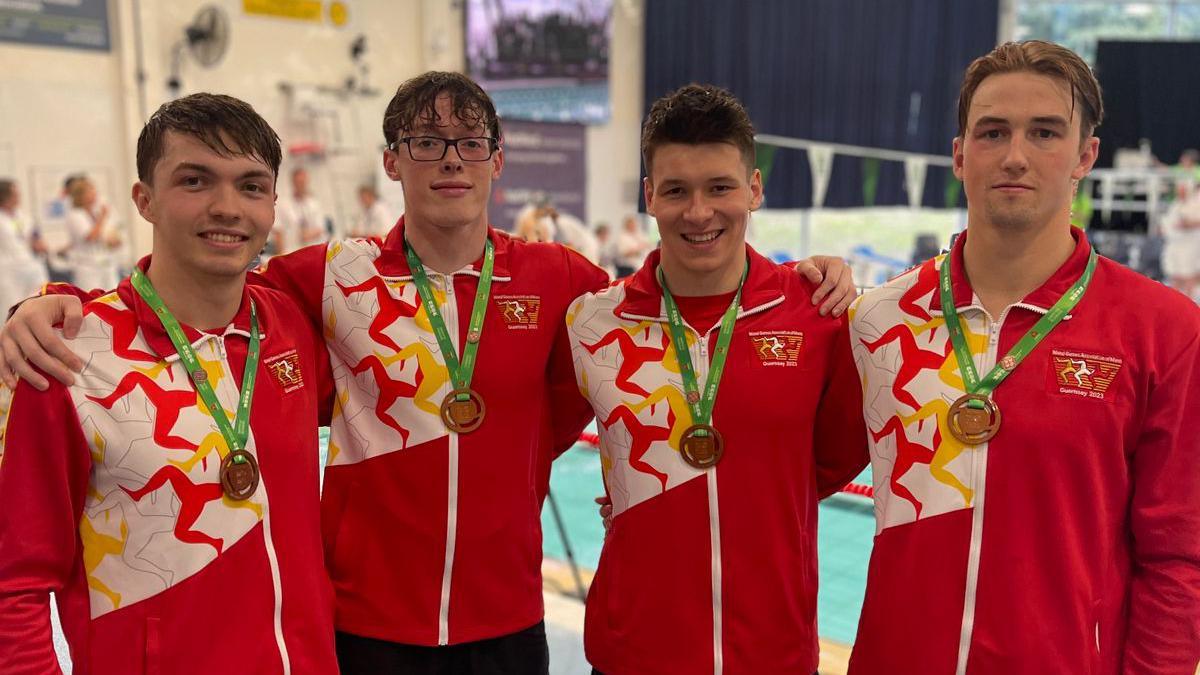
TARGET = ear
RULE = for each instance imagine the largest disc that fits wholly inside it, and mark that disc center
(143, 199)
(497, 163)
(756, 190)
(648, 193)
(1088, 152)
(390, 161)
(957, 152)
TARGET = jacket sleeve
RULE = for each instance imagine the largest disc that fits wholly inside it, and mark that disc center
(1164, 516)
(840, 435)
(301, 275)
(569, 410)
(43, 483)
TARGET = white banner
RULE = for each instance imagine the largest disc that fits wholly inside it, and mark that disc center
(820, 164)
(914, 179)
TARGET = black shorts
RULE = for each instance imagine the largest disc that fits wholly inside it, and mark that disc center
(522, 653)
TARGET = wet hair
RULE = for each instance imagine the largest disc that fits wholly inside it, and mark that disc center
(230, 127)
(1042, 58)
(414, 104)
(697, 114)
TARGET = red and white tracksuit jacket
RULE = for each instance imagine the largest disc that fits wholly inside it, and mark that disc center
(1069, 543)
(110, 498)
(715, 571)
(433, 537)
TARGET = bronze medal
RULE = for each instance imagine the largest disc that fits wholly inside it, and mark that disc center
(239, 475)
(974, 425)
(701, 446)
(463, 410)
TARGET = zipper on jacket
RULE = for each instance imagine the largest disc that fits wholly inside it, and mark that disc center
(979, 485)
(700, 360)
(272, 557)
(450, 314)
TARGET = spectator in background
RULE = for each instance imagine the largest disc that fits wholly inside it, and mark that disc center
(632, 247)
(606, 249)
(1187, 173)
(531, 223)
(91, 254)
(373, 220)
(1181, 241)
(21, 271)
(300, 221)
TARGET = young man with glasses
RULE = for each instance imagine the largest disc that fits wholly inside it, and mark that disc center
(162, 497)
(454, 392)
(727, 407)
(1031, 411)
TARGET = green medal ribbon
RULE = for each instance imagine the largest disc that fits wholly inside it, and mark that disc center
(460, 371)
(1014, 357)
(235, 436)
(701, 406)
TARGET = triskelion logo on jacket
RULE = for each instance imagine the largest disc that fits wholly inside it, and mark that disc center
(286, 369)
(1082, 374)
(520, 312)
(777, 348)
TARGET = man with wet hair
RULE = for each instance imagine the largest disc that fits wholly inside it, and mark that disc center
(727, 406)
(162, 496)
(1030, 409)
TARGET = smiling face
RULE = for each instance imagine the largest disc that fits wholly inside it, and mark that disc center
(211, 213)
(1021, 154)
(701, 195)
(449, 193)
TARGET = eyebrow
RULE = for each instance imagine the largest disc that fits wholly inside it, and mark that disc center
(201, 168)
(714, 179)
(1050, 120)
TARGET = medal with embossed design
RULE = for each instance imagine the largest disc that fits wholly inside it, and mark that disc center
(701, 445)
(463, 408)
(239, 474)
(974, 418)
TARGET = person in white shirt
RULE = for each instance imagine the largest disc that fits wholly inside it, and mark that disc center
(1181, 245)
(92, 253)
(22, 272)
(632, 247)
(300, 221)
(373, 220)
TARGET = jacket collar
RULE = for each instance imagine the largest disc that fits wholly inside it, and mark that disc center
(156, 336)
(392, 261)
(643, 296)
(1040, 300)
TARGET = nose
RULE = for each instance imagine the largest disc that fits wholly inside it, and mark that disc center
(1015, 159)
(452, 162)
(698, 210)
(225, 204)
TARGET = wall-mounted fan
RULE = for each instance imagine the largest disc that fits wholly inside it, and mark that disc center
(206, 39)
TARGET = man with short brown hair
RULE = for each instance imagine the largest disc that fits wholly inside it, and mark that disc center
(1030, 410)
(169, 497)
(727, 406)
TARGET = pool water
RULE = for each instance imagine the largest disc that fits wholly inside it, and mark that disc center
(844, 533)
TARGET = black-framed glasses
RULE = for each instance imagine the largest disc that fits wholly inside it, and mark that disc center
(433, 148)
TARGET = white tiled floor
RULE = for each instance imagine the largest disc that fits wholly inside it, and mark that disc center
(564, 630)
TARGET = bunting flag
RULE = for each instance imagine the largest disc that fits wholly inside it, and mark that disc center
(870, 176)
(820, 164)
(914, 179)
(764, 160)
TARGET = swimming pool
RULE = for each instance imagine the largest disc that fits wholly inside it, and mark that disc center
(844, 533)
